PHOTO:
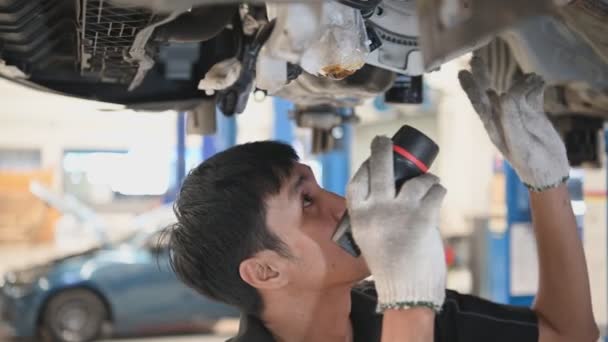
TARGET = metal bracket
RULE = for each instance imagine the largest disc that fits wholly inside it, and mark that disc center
(138, 49)
(233, 99)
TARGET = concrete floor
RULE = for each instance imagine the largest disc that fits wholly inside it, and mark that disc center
(191, 338)
(186, 338)
(222, 337)
(224, 331)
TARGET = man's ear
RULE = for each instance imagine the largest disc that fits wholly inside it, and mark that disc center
(265, 270)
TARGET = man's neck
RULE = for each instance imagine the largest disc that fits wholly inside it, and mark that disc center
(310, 316)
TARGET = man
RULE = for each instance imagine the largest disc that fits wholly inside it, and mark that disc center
(254, 230)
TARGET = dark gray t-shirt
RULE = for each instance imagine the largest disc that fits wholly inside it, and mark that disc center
(463, 318)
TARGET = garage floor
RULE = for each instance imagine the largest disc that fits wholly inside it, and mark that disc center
(187, 338)
(224, 330)
(193, 338)
(184, 338)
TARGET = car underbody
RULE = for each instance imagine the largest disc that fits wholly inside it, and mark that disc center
(187, 55)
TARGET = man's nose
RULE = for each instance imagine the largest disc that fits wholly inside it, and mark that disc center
(335, 204)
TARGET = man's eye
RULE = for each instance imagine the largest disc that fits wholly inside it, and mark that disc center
(306, 201)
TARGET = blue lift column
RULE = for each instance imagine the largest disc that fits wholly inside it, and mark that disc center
(224, 137)
(500, 244)
(283, 126)
(335, 164)
(518, 212)
(606, 151)
(180, 173)
(180, 161)
(511, 254)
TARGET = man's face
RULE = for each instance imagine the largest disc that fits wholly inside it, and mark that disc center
(305, 216)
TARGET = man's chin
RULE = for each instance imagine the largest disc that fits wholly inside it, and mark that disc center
(367, 272)
(355, 270)
(364, 274)
(354, 278)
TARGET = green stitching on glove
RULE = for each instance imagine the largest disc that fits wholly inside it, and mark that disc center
(552, 186)
(408, 305)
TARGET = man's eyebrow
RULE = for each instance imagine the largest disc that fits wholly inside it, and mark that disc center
(295, 188)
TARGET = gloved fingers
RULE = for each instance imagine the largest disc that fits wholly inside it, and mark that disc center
(381, 168)
(494, 99)
(533, 98)
(527, 99)
(538, 125)
(433, 198)
(475, 93)
(544, 133)
(414, 190)
(539, 155)
(533, 107)
(480, 72)
(536, 94)
(522, 87)
(517, 136)
(494, 125)
(358, 188)
(487, 107)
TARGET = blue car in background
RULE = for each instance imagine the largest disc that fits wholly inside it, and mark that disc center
(124, 288)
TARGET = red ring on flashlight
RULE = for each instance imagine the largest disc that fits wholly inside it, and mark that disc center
(407, 155)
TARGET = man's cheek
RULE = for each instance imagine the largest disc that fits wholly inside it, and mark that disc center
(307, 246)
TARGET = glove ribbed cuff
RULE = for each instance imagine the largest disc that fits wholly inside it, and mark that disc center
(415, 292)
(546, 187)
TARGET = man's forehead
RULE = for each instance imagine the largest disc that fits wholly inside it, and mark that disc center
(289, 188)
(299, 168)
(297, 175)
(298, 172)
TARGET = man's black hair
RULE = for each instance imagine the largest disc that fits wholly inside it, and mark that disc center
(221, 220)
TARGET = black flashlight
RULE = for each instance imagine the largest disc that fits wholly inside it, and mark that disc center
(413, 154)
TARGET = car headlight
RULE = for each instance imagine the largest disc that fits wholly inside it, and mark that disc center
(21, 282)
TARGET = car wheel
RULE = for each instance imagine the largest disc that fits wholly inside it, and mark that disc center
(73, 316)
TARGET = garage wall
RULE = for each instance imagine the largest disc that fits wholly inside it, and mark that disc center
(467, 156)
(595, 241)
(53, 123)
(34, 120)
(98, 132)
(257, 122)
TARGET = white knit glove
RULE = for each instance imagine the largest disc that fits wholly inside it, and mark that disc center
(397, 232)
(517, 125)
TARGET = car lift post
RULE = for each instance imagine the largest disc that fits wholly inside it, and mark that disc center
(606, 170)
(510, 252)
(180, 162)
(226, 134)
(180, 173)
(500, 247)
(335, 164)
(224, 137)
(283, 126)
